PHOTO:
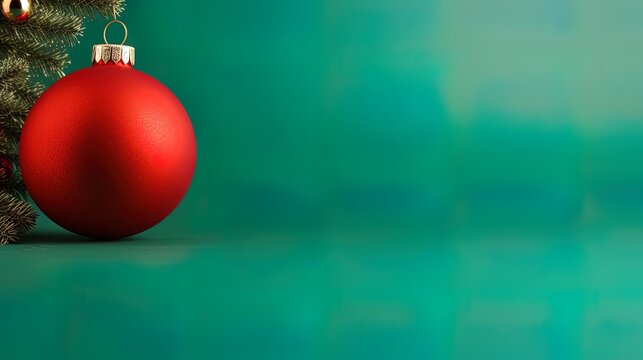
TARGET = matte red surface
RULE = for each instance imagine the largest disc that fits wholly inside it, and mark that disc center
(107, 152)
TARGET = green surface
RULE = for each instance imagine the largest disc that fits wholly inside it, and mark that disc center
(326, 296)
(376, 179)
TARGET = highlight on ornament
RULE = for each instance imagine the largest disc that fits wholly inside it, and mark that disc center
(16, 10)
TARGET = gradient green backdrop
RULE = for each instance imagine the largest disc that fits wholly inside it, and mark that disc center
(376, 179)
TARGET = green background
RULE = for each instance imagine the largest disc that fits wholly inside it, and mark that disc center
(376, 179)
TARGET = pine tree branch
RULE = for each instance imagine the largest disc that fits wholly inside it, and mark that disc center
(14, 108)
(16, 218)
(8, 232)
(15, 186)
(16, 100)
(13, 72)
(85, 8)
(8, 146)
(46, 25)
(18, 213)
(14, 75)
(43, 59)
(30, 92)
(10, 155)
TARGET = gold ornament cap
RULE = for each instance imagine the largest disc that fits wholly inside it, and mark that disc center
(103, 54)
(119, 54)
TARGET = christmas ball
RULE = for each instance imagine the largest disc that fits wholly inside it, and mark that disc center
(16, 10)
(107, 151)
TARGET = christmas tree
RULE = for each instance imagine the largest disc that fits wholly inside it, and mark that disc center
(34, 39)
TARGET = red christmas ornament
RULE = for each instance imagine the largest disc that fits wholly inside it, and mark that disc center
(107, 151)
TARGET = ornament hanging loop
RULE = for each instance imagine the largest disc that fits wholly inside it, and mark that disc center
(112, 23)
(119, 54)
(115, 21)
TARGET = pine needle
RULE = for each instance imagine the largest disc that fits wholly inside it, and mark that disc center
(13, 72)
(8, 232)
(21, 216)
(16, 218)
(17, 95)
(43, 59)
(15, 186)
(14, 75)
(7, 145)
(45, 25)
(85, 8)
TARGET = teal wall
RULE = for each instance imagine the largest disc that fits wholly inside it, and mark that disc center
(376, 179)
(404, 114)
